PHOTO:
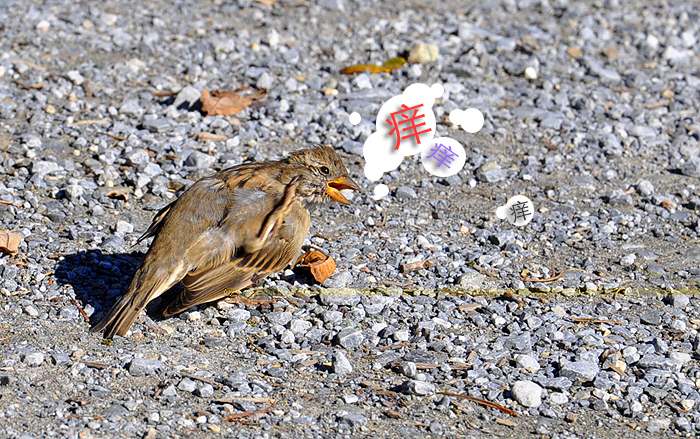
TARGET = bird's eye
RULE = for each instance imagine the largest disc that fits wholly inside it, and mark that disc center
(325, 170)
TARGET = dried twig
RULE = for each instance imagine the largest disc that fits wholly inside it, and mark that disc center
(85, 316)
(252, 414)
(112, 135)
(393, 346)
(7, 203)
(554, 277)
(102, 121)
(202, 379)
(269, 401)
(413, 266)
(96, 365)
(592, 320)
(481, 402)
(658, 104)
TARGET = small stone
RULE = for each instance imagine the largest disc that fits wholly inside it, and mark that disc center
(650, 317)
(123, 227)
(401, 336)
(680, 302)
(527, 362)
(362, 81)
(42, 168)
(530, 73)
(265, 81)
(350, 398)
(490, 172)
(34, 359)
(188, 95)
(502, 238)
(351, 418)
(580, 370)
(187, 385)
(169, 391)
(238, 315)
(205, 391)
(141, 367)
(628, 260)
(341, 364)
(419, 388)
(423, 53)
(471, 279)
(350, 338)
(279, 318)
(527, 393)
(287, 337)
(692, 167)
(645, 188)
(299, 326)
(333, 5)
(406, 193)
(199, 160)
(408, 369)
(558, 398)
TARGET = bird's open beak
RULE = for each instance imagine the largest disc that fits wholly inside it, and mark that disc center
(335, 186)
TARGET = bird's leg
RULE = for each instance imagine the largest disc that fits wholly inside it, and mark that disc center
(274, 219)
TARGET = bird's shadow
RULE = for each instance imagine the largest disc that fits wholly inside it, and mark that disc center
(99, 279)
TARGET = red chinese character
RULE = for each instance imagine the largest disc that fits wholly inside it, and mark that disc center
(411, 120)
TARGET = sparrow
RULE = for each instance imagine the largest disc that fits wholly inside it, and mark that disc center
(229, 230)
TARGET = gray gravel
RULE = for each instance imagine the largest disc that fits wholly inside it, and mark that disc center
(591, 110)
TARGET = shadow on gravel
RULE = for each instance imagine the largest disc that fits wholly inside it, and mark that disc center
(99, 279)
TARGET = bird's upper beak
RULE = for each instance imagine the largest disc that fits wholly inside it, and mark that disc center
(335, 186)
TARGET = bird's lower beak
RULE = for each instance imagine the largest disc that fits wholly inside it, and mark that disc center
(335, 186)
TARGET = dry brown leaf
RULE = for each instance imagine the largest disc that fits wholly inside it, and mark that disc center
(388, 66)
(227, 103)
(212, 136)
(320, 266)
(9, 242)
(574, 52)
(117, 195)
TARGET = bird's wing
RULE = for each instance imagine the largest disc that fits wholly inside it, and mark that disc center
(157, 223)
(215, 278)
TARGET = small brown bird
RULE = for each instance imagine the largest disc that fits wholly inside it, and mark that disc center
(229, 230)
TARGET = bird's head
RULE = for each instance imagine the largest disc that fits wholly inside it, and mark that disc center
(321, 175)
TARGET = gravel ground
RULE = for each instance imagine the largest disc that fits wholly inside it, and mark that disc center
(100, 127)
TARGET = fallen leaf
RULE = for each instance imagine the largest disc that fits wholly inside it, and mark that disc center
(388, 66)
(574, 52)
(117, 195)
(227, 103)
(361, 68)
(212, 136)
(9, 242)
(394, 63)
(320, 266)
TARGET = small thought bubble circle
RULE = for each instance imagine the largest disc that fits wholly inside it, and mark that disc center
(380, 191)
(471, 119)
(355, 118)
(438, 90)
(519, 210)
